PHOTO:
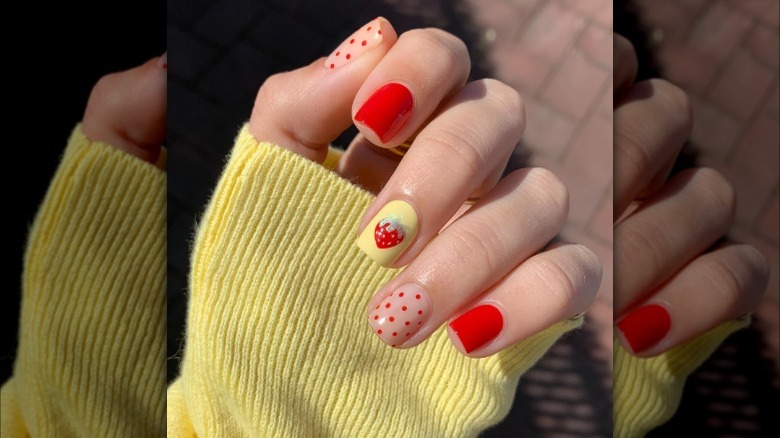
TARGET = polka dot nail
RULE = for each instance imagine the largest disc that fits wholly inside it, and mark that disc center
(400, 315)
(360, 42)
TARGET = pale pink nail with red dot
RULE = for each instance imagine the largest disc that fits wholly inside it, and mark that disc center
(360, 42)
(400, 315)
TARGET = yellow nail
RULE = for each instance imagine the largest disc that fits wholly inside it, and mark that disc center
(389, 233)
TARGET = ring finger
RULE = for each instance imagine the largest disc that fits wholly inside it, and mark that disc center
(517, 218)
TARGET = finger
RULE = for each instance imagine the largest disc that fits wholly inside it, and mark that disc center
(714, 288)
(402, 92)
(305, 109)
(689, 214)
(450, 159)
(517, 218)
(367, 165)
(554, 285)
(650, 127)
(624, 58)
(128, 110)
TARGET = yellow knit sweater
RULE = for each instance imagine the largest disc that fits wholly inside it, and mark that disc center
(277, 344)
(91, 355)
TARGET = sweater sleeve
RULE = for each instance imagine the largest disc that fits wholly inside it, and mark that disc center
(91, 353)
(647, 391)
(277, 341)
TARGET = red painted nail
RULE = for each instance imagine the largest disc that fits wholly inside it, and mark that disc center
(387, 110)
(645, 326)
(478, 326)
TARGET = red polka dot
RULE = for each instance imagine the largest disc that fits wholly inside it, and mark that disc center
(364, 43)
(395, 333)
(379, 32)
(376, 317)
(369, 28)
(393, 345)
(392, 319)
(403, 308)
(419, 323)
(377, 306)
(338, 53)
(379, 331)
(391, 295)
(407, 323)
(352, 41)
(401, 294)
(419, 312)
(331, 66)
(348, 56)
(408, 334)
(417, 296)
(387, 306)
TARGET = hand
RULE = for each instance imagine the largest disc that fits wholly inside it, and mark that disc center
(128, 111)
(485, 269)
(671, 283)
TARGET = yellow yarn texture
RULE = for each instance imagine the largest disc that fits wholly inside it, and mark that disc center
(647, 392)
(277, 341)
(91, 355)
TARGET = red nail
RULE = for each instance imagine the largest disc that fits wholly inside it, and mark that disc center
(478, 326)
(387, 110)
(645, 326)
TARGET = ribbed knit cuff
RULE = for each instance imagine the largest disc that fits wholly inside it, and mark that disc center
(91, 357)
(277, 339)
(647, 391)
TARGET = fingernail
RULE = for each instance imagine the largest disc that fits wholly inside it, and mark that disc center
(387, 110)
(645, 327)
(360, 42)
(162, 61)
(389, 233)
(478, 326)
(401, 314)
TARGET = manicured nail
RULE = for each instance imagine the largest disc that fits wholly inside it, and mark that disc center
(387, 110)
(162, 61)
(360, 42)
(645, 327)
(389, 233)
(401, 314)
(478, 326)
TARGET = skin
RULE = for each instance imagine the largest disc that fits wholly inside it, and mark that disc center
(128, 111)
(464, 135)
(665, 227)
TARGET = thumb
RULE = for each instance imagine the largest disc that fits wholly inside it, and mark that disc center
(304, 110)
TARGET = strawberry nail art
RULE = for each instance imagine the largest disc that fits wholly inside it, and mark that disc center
(389, 233)
(400, 315)
(360, 42)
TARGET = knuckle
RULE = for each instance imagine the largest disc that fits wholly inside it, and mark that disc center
(643, 241)
(436, 41)
(553, 192)
(676, 101)
(106, 94)
(727, 281)
(509, 100)
(576, 272)
(454, 144)
(483, 246)
(717, 191)
(629, 151)
(559, 284)
(271, 93)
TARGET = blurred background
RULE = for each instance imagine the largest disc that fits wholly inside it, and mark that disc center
(726, 55)
(557, 53)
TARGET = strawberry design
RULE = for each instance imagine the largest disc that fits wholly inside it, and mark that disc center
(389, 232)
